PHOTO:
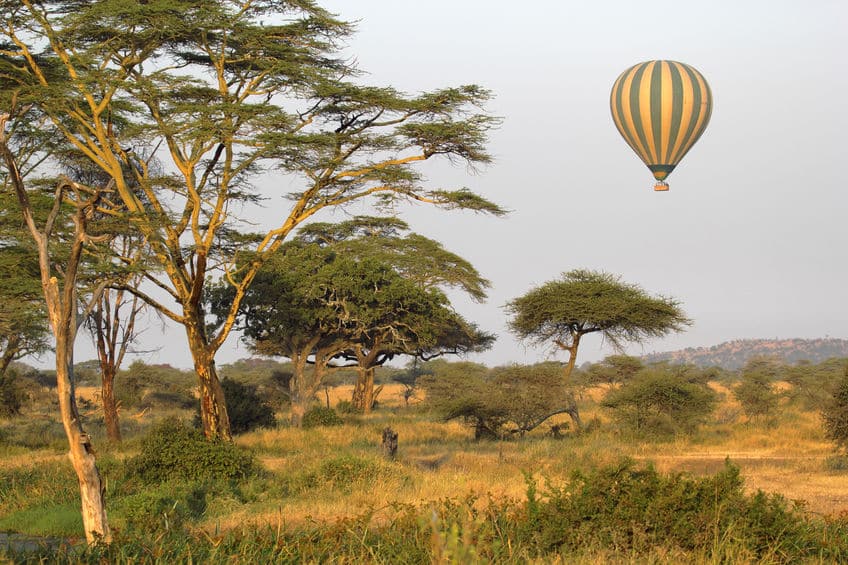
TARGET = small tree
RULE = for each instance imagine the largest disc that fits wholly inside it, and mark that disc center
(507, 400)
(659, 403)
(614, 370)
(835, 414)
(757, 396)
(581, 302)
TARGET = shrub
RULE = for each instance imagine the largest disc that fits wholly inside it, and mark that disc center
(835, 414)
(321, 416)
(173, 451)
(506, 400)
(658, 403)
(345, 407)
(633, 510)
(166, 508)
(12, 396)
(247, 410)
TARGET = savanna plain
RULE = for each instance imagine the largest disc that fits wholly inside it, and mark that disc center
(739, 486)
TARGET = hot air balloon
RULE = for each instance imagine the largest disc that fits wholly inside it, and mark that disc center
(661, 108)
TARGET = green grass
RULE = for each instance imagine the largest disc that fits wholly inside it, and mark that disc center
(63, 520)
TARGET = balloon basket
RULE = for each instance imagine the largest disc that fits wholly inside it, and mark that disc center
(661, 186)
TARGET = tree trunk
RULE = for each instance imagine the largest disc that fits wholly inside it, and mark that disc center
(572, 410)
(303, 386)
(364, 393)
(213, 404)
(81, 451)
(110, 406)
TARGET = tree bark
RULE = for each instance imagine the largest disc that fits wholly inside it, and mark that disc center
(213, 404)
(572, 409)
(303, 386)
(92, 490)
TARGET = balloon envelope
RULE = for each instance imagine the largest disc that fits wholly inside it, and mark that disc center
(661, 108)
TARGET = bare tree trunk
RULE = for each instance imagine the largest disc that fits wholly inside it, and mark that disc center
(213, 405)
(110, 406)
(364, 392)
(92, 491)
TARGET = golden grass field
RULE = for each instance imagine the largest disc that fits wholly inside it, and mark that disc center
(439, 460)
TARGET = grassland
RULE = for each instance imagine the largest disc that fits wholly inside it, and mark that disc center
(331, 482)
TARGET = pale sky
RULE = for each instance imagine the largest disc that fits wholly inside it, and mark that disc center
(751, 238)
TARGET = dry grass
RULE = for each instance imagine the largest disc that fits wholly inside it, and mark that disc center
(439, 460)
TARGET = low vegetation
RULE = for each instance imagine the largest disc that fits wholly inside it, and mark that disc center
(708, 485)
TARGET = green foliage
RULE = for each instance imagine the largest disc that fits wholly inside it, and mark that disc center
(173, 451)
(161, 386)
(345, 407)
(659, 403)
(757, 396)
(583, 302)
(835, 414)
(614, 370)
(166, 507)
(633, 510)
(320, 416)
(246, 408)
(506, 400)
(813, 385)
(270, 378)
(12, 395)
(614, 513)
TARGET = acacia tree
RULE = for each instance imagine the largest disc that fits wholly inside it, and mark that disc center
(580, 302)
(74, 206)
(382, 334)
(228, 90)
(314, 304)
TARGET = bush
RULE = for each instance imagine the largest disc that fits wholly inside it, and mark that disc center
(12, 396)
(658, 403)
(247, 410)
(165, 508)
(173, 451)
(506, 400)
(633, 510)
(321, 416)
(835, 414)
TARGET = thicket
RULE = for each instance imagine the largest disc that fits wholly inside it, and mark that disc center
(12, 395)
(318, 416)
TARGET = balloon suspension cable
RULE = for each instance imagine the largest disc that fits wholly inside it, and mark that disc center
(661, 186)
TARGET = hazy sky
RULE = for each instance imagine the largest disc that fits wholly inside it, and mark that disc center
(752, 236)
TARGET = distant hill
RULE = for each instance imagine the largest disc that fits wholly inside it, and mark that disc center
(734, 354)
